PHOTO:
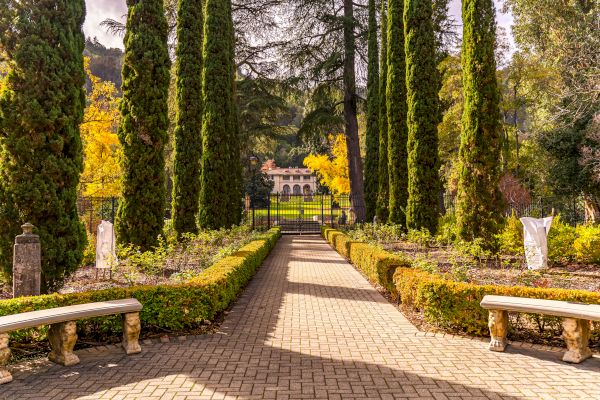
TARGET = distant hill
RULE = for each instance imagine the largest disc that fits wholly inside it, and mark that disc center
(105, 63)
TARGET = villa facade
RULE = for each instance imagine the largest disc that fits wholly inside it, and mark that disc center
(297, 181)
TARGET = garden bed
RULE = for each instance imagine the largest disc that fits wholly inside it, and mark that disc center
(189, 306)
(434, 300)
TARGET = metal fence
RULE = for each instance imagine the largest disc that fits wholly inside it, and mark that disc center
(301, 213)
(571, 209)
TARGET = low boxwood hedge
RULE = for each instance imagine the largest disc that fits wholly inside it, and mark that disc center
(377, 264)
(450, 305)
(166, 307)
(455, 305)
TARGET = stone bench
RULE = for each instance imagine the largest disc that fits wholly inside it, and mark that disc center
(62, 334)
(576, 321)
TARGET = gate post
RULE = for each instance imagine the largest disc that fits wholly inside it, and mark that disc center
(269, 211)
(322, 211)
(331, 209)
(252, 205)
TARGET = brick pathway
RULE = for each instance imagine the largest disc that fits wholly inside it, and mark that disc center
(309, 326)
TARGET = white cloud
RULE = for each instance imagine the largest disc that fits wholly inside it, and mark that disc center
(98, 11)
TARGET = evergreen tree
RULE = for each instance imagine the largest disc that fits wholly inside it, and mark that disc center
(396, 113)
(384, 177)
(422, 84)
(372, 158)
(479, 201)
(220, 192)
(188, 132)
(40, 112)
(143, 130)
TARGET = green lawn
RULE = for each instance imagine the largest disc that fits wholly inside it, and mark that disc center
(301, 209)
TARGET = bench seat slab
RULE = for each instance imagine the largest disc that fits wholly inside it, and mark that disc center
(576, 333)
(57, 315)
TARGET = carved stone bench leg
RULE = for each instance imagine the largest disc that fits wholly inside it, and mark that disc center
(498, 324)
(5, 376)
(576, 333)
(131, 333)
(62, 339)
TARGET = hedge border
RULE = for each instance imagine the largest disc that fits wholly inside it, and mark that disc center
(172, 307)
(377, 264)
(450, 305)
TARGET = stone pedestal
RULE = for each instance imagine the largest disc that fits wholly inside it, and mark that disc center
(62, 338)
(498, 324)
(576, 333)
(27, 263)
(5, 376)
(131, 333)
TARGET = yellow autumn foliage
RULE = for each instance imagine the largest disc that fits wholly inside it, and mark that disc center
(332, 170)
(102, 150)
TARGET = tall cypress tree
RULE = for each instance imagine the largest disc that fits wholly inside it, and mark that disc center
(396, 113)
(422, 210)
(383, 194)
(479, 201)
(40, 113)
(143, 130)
(188, 132)
(372, 157)
(220, 192)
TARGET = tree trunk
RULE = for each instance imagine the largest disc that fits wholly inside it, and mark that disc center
(351, 121)
(592, 209)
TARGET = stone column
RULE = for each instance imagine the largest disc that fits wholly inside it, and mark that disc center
(27, 263)
(498, 324)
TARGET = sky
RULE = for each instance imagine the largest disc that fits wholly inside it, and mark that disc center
(99, 10)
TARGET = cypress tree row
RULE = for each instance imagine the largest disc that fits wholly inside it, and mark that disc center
(372, 135)
(188, 132)
(40, 113)
(479, 201)
(220, 191)
(236, 203)
(384, 177)
(422, 210)
(143, 130)
(396, 113)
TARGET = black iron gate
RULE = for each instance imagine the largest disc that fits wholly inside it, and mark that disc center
(298, 213)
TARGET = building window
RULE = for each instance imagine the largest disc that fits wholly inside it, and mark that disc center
(307, 177)
(297, 190)
(286, 189)
(296, 178)
(286, 178)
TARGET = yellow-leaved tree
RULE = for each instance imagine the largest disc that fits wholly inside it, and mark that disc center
(102, 150)
(332, 170)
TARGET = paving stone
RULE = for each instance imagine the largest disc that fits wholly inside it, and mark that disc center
(309, 326)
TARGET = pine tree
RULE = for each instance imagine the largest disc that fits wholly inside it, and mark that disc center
(383, 195)
(41, 109)
(372, 141)
(422, 82)
(143, 130)
(188, 132)
(396, 113)
(479, 201)
(220, 192)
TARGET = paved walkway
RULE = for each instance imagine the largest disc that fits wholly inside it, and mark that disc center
(309, 326)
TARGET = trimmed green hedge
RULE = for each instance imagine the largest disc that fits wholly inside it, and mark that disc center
(171, 307)
(452, 306)
(377, 264)
(455, 305)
